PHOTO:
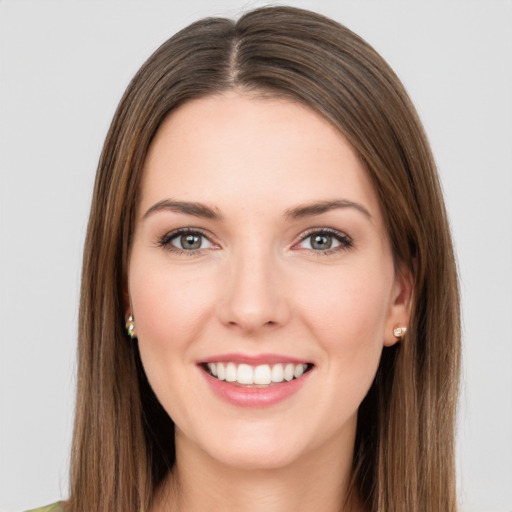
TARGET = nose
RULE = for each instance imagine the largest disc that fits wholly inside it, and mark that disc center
(254, 295)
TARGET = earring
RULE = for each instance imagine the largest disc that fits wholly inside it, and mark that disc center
(130, 326)
(399, 331)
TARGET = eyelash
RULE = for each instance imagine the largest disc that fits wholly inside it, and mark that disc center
(165, 241)
(344, 240)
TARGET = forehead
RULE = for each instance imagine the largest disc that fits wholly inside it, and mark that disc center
(238, 152)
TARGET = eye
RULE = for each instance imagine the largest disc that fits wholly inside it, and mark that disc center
(185, 241)
(325, 240)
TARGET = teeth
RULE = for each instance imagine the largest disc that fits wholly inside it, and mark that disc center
(262, 374)
(289, 371)
(277, 373)
(298, 371)
(231, 372)
(213, 369)
(245, 374)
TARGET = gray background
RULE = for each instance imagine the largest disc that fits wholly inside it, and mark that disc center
(63, 68)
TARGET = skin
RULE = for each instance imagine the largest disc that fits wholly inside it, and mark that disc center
(257, 285)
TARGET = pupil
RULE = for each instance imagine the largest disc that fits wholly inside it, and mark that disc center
(321, 242)
(191, 241)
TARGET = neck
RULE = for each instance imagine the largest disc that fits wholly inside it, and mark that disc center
(319, 480)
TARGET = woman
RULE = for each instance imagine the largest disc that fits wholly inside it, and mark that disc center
(269, 310)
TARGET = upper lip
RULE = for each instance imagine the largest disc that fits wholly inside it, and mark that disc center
(253, 360)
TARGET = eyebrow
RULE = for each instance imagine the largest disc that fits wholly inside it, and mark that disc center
(185, 207)
(208, 212)
(320, 207)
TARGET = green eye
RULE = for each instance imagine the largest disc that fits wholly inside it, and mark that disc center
(189, 242)
(321, 242)
(325, 240)
(185, 241)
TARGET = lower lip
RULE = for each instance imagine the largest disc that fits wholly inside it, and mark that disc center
(254, 397)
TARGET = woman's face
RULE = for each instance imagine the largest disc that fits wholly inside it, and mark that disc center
(261, 280)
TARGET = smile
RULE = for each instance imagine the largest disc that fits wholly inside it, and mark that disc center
(260, 375)
(255, 381)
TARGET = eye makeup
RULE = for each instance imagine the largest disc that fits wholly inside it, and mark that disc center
(193, 241)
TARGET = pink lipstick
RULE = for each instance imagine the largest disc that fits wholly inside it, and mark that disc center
(255, 381)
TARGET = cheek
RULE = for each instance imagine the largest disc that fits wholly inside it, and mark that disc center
(169, 308)
(351, 300)
(348, 317)
(163, 299)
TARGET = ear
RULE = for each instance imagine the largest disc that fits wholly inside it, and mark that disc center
(400, 304)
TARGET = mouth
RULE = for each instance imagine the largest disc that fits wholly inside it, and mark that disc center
(256, 376)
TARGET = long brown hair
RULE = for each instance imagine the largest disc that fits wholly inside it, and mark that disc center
(123, 443)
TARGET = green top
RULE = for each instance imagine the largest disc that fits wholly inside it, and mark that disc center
(54, 507)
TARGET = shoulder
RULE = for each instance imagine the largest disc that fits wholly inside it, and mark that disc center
(54, 507)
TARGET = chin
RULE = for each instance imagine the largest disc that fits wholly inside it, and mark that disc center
(248, 445)
(256, 456)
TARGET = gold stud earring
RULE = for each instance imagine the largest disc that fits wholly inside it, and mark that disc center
(399, 331)
(130, 326)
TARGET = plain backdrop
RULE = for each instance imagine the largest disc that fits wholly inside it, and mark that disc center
(63, 68)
